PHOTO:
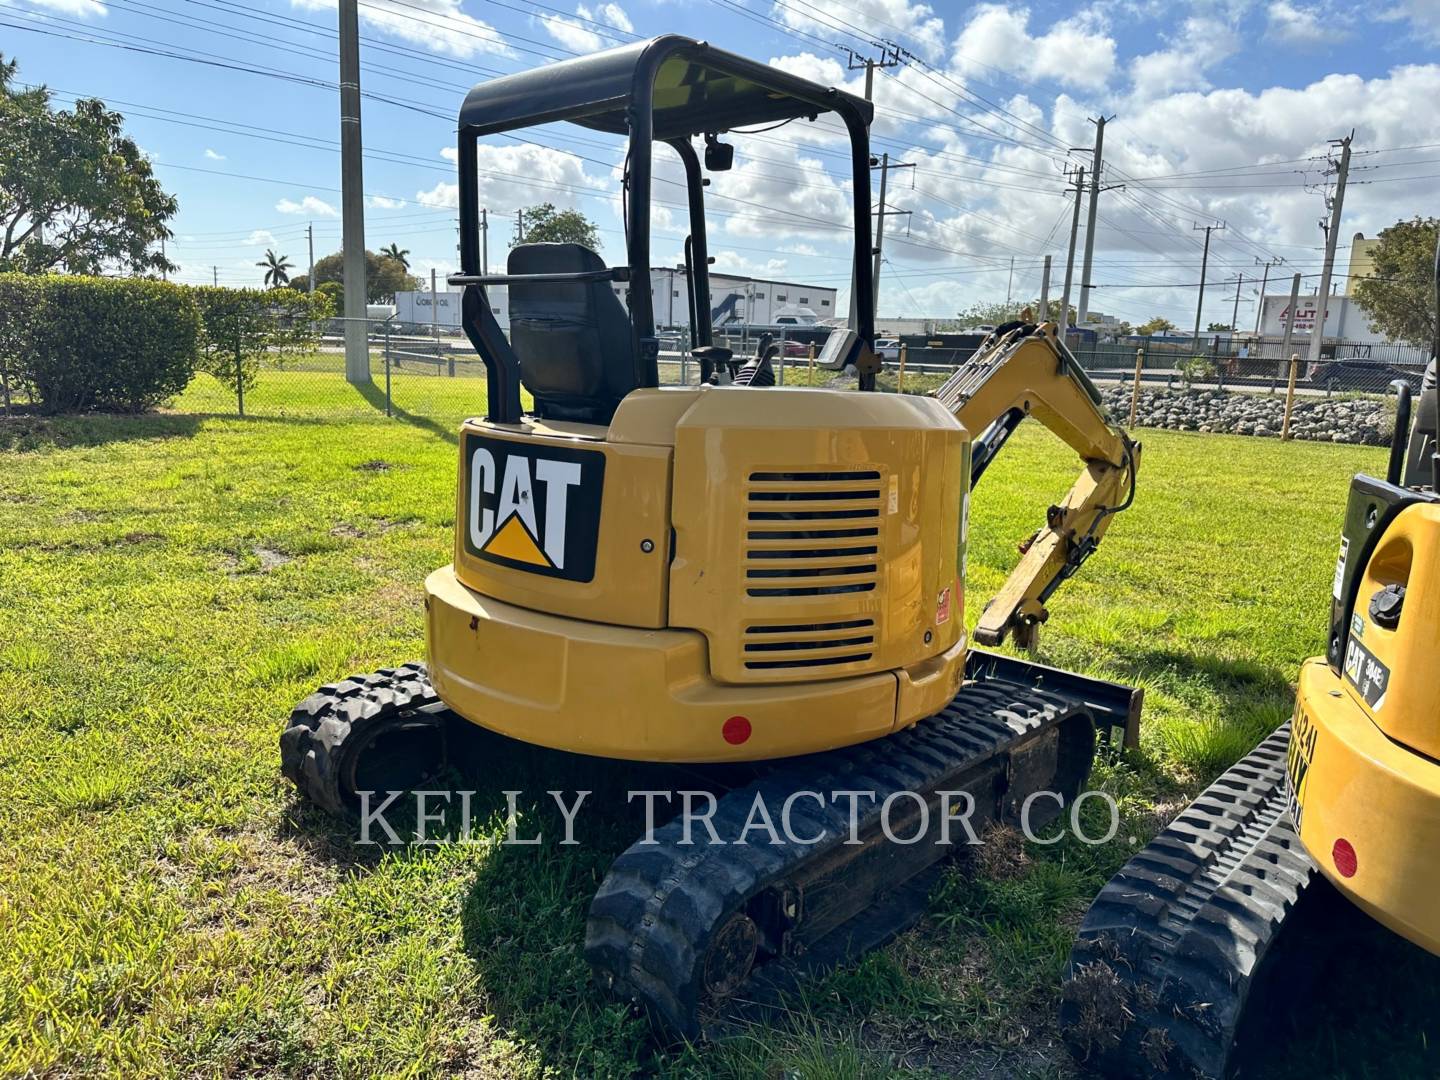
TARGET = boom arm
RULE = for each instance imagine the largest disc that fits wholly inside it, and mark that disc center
(1029, 372)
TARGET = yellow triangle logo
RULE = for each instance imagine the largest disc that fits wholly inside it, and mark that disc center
(513, 541)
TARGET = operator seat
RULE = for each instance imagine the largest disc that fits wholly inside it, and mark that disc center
(573, 339)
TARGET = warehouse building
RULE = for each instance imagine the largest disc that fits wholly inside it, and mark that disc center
(734, 301)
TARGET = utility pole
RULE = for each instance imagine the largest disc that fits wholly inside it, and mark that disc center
(1204, 263)
(164, 269)
(889, 57)
(519, 225)
(310, 239)
(1009, 284)
(352, 198)
(1290, 322)
(1090, 219)
(484, 241)
(1332, 234)
(1235, 311)
(1264, 281)
(215, 276)
(880, 217)
(1045, 291)
(434, 307)
(1070, 255)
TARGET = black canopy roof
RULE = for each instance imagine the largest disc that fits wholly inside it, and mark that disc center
(697, 88)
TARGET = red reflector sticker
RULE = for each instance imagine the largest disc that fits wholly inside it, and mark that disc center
(736, 730)
(1343, 854)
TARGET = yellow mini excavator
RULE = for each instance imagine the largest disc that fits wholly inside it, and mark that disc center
(732, 572)
(1181, 955)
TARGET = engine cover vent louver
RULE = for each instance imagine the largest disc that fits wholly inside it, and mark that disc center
(815, 535)
(808, 645)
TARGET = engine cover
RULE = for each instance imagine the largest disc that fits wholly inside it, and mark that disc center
(817, 533)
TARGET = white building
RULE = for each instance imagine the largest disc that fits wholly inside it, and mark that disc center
(416, 307)
(1344, 320)
(734, 301)
(738, 301)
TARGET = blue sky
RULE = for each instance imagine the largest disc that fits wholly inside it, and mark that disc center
(1223, 112)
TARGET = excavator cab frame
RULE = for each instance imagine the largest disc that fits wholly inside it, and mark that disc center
(669, 89)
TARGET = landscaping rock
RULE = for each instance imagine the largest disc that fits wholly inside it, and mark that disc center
(1366, 421)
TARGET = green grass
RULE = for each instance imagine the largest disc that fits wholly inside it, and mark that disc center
(171, 585)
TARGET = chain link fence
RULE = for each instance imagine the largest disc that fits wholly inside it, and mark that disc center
(1250, 389)
(420, 371)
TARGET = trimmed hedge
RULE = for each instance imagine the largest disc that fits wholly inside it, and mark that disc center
(82, 343)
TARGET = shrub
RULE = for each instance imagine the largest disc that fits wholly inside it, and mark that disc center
(83, 343)
(243, 326)
(18, 300)
(1197, 367)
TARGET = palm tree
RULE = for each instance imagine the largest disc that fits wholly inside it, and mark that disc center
(399, 254)
(277, 270)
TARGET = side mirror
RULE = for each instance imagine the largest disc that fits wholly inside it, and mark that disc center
(719, 157)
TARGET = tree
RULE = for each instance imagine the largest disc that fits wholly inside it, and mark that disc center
(242, 327)
(277, 270)
(989, 313)
(75, 193)
(334, 292)
(543, 224)
(1398, 296)
(399, 254)
(384, 276)
(997, 312)
(1219, 328)
(1158, 325)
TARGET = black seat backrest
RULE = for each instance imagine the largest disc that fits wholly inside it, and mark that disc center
(573, 340)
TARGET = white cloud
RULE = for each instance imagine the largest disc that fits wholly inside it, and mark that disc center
(441, 26)
(789, 193)
(615, 16)
(731, 262)
(382, 202)
(260, 238)
(211, 155)
(308, 205)
(582, 34)
(1203, 42)
(82, 8)
(1076, 52)
(1422, 15)
(1303, 27)
(516, 175)
(917, 24)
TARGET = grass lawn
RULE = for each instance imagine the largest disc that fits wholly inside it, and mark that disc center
(170, 585)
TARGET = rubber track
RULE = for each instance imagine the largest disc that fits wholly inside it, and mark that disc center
(311, 746)
(1171, 949)
(652, 920)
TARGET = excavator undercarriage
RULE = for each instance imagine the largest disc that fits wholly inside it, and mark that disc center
(1184, 954)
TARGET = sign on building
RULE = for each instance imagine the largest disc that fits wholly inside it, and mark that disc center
(1344, 320)
(416, 307)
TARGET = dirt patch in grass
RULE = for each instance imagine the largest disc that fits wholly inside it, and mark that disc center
(270, 559)
(1002, 856)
